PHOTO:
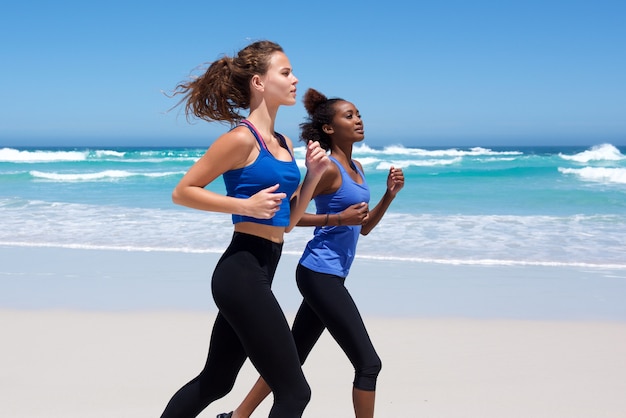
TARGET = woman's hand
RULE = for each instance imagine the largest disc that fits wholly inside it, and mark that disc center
(316, 160)
(265, 203)
(356, 214)
(395, 181)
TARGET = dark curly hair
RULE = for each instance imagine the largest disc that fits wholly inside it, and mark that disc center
(224, 88)
(321, 112)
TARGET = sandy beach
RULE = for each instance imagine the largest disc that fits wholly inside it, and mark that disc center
(114, 334)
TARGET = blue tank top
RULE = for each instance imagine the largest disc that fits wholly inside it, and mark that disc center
(264, 172)
(333, 248)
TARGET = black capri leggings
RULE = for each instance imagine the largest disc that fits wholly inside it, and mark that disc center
(327, 304)
(250, 323)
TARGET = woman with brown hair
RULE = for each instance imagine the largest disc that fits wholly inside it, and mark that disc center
(266, 199)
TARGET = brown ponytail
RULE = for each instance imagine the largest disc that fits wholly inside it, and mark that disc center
(224, 88)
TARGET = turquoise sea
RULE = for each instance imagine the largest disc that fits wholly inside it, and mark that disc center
(561, 206)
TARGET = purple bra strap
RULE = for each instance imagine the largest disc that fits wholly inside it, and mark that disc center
(256, 133)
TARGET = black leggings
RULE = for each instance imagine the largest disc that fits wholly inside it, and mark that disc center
(250, 323)
(327, 304)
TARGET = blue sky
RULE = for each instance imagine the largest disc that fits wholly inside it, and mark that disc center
(459, 73)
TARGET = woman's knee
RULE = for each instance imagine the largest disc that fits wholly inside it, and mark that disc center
(365, 377)
(214, 388)
(303, 396)
(295, 401)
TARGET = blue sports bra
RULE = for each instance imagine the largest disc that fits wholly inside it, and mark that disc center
(264, 172)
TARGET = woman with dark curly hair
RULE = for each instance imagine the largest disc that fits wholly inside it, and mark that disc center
(342, 214)
(266, 199)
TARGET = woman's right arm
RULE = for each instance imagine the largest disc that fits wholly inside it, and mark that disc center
(330, 183)
(231, 150)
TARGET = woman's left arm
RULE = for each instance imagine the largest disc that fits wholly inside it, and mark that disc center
(395, 182)
(316, 163)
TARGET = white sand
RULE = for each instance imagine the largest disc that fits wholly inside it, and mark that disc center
(101, 364)
(89, 334)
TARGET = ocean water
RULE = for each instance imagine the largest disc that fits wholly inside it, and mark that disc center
(561, 206)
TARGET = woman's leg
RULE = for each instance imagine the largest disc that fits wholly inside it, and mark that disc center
(258, 328)
(363, 402)
(330, 300)
(225, 358)
(306, 330)
(245, 298)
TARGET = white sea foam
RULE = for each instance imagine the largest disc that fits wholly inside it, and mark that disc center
(361, 151)
(161, 160)
(95, 176)
(451, 152)
(109, 153)
(220, 249)
(581, 240)
(598, 174)
(399, 156)
(366, 161)
(18, 156)
(602, 152)
(385, 165)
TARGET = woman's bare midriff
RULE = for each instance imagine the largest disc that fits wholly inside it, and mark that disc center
(272, 233)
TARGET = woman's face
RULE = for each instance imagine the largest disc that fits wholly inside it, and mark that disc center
(347, 123)
(279, 83)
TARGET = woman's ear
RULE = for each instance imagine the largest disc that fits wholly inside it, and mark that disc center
(327, 129)
(256, 83)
